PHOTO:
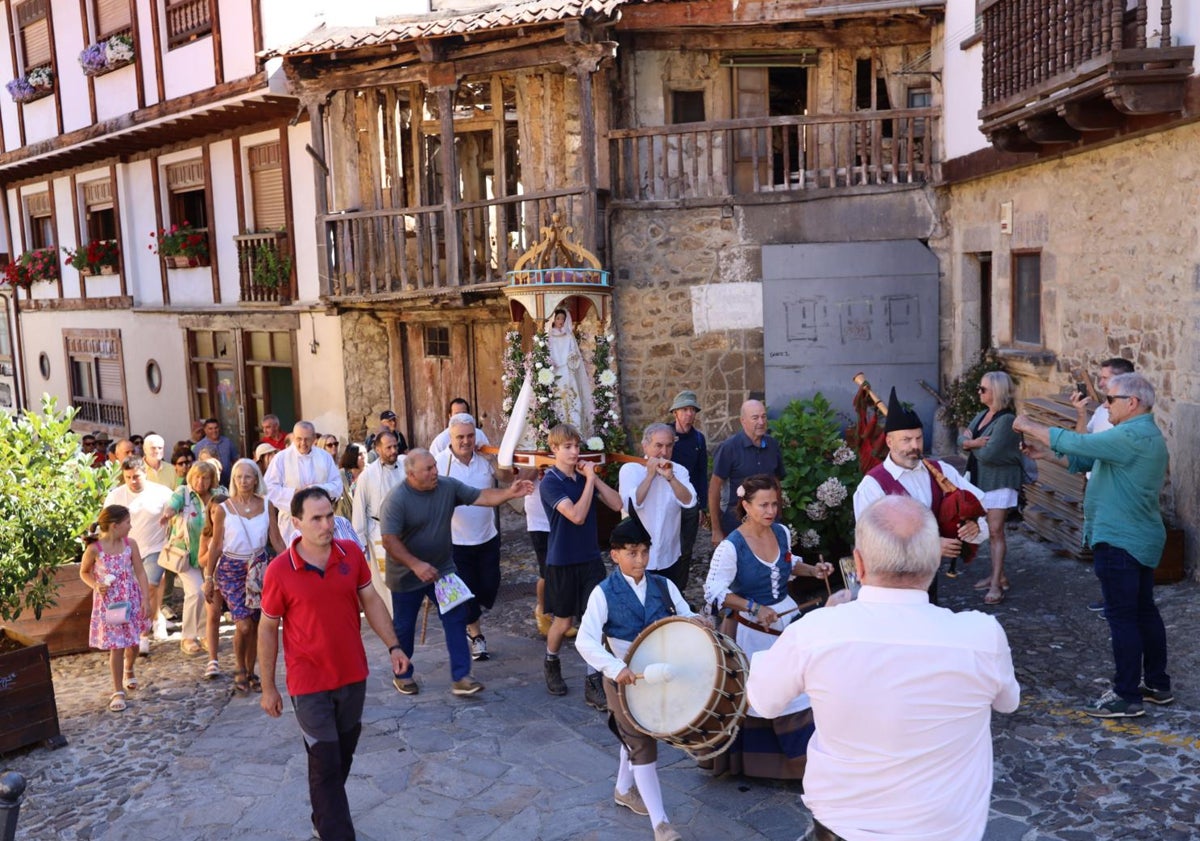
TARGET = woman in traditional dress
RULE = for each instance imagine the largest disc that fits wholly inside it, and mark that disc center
(749, 575)
(572, 387)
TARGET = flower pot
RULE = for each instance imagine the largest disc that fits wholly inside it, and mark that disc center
(64, 626)
(28, 712)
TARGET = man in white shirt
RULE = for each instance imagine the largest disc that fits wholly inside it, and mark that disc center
(660, 490)
(904, 473)
(441, 443)
(299, 466)
(145, 501)
(474, 537)
(377, 478)
(903, 691)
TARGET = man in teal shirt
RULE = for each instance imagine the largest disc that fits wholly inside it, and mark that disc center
(1123, 525)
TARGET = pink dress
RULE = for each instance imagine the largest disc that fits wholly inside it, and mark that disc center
(104, 635)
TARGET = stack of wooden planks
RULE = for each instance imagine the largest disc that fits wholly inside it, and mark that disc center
(1054, 504)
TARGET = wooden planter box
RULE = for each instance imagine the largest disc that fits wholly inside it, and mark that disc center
(64, 626)
(28, 712)
(177, 261)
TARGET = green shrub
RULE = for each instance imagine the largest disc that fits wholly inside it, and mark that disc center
(961, 395)
(49, 494)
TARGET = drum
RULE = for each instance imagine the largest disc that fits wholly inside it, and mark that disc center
(697, 699)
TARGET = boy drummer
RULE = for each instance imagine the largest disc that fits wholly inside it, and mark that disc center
(620, 608)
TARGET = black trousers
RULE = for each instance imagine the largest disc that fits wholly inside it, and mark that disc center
(678, 572)
(331, 723)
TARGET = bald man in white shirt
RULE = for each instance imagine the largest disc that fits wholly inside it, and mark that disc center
(903, 693)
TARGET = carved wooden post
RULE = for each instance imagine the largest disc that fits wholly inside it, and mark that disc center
(316, 118)
(588, 151)
(443, 80)
(1164, 39)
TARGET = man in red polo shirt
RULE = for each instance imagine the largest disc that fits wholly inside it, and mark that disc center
(318, 586)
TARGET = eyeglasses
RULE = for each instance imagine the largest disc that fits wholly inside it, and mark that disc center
(1109, 398)
(184, 461)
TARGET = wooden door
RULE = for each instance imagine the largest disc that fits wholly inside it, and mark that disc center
(437, 354)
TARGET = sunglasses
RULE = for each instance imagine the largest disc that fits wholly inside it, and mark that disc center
(331, 446)
(1109, 398)
(184, 461)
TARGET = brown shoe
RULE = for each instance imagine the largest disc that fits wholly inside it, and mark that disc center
(466, 686)
(632, 800)
(665, 832)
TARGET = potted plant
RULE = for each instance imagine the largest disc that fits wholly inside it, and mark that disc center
(49, 493)
(34, 85)
(39, 264)
(269, 267)
(100, 256)
(106, 55)
(182, 246)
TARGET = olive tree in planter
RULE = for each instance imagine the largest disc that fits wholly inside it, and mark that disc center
(49, 494)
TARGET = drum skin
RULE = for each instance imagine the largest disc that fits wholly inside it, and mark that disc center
(702, 707)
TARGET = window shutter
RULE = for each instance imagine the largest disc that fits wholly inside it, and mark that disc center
(112, 17)
(112, 383)
(35, 40)
(97, 194)
(266, 186)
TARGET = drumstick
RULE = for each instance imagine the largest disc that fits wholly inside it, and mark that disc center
(657, 673)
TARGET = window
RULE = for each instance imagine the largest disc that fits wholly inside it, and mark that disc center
(867, 82)
(687, 107)
(188, 201)
(96, 368)
(100, 215)
(1027, 298)
(33, 21)
(112, 18)
(437, 341)
(41, 221)
(266, 187)
(187, 20)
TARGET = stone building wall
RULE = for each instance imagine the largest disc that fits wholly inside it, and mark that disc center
(1119, 236)
(661, 257)
(368, 374)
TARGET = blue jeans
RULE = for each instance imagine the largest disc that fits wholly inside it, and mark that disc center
(1139, 640)
(406, 606)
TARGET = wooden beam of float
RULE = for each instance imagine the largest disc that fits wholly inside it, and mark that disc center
(557, 271)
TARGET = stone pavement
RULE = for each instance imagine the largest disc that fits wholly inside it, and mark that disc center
(187, 762)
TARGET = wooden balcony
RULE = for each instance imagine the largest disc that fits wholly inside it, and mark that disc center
(265, 272)
(1056, 70)
(794, 154)
(94, 411)
(187, 20)
(412, 252)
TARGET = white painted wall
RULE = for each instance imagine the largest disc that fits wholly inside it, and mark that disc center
(71, 85)
(962, 82)
(304, 211)
(322, 379)
(143, 337)
(116, 93)
(137, 221)
(285, 21)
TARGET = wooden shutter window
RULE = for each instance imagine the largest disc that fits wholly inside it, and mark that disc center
(112, 18)
(111, 380)
(266, 186)
(97, 194)
(35, 44)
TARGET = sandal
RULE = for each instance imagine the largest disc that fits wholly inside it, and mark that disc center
(255, 682)
(986, 584)
(240, 684)
(116, 704)
(212, 671)
(994, 596)
(130, 681)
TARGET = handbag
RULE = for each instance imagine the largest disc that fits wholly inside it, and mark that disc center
(117, 613)
(176, 556)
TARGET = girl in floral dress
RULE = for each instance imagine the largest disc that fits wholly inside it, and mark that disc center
(112, 567)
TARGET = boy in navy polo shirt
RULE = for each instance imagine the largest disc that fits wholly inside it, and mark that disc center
(573, 565)
(620, 608)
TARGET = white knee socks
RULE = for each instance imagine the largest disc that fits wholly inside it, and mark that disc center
(624, 773)
(646, 777)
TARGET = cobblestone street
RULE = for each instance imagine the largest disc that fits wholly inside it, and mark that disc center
(187, 762)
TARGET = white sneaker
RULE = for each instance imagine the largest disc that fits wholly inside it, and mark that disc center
(160, 628)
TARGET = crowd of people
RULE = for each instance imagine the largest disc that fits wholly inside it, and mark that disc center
(385, 530)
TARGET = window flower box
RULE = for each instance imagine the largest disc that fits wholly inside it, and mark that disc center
(35, 266)
(105, 56)
(35, 84)
(100, 256)
(181, 246)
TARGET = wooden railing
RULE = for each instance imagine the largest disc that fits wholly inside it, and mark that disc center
(1030, 42)
(96, 411)
(186, 20)
(405, 250)
(771, 154)
(264, 267)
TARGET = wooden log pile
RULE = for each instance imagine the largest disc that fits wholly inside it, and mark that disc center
(1054, 504)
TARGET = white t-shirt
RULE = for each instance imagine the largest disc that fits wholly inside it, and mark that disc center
(470, 525)
(145, 509)
(660, 512)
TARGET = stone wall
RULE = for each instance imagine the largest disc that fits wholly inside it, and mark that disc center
(1119, 236)
(659, 257)
(368, 375)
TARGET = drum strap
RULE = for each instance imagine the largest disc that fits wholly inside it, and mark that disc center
(801, 609)
(665, 592)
